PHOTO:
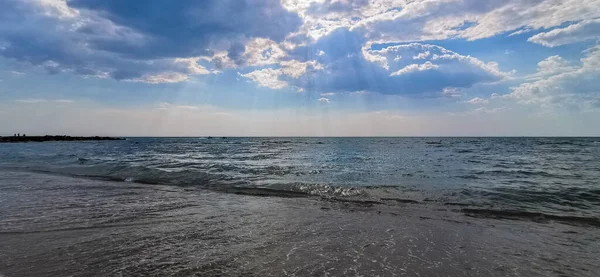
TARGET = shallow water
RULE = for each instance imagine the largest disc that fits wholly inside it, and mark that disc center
(63, 226)
(301, 207)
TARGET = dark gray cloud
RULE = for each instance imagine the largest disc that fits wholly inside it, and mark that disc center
(186, 28)
(132, 39)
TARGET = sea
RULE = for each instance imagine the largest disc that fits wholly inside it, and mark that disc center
(234, 206)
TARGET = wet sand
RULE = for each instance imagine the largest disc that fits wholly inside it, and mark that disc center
(62, 226)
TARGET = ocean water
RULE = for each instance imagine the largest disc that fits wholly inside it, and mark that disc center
(301, 207)
(554, 176)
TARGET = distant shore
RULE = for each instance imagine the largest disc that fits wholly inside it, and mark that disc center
(52, 138)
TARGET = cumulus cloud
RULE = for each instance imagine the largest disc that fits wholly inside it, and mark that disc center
(436, 19)
(324, 100)
(152, 42)
(415, 67)
(422, 56)
(359, 65)
(276, 78)
(267, 77)
(552, 65)
(582, 31)
(320, 46)
(561, 85)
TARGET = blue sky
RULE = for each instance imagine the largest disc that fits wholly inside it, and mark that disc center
(291, 67)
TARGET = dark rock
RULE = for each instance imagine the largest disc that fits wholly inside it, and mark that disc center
(52, 138)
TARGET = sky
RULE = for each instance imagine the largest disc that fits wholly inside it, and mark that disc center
(300, 67)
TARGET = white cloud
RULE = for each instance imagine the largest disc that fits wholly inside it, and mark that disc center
(324, 100)
(423, 20)
(375, 57)
(261, 51)
(560, 85)
(267, 77)
(431, 53)
(477, 101)
(582, 31)
(328, 94)
(57, 8)
(552, 65)
(422, 56)
(296, 69)
(192, 66)
(167, 77)
(271, 78)
(451, 92)
(414, 68)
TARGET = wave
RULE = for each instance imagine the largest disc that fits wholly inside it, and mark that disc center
(522, 172)
(566, 201)
(144, 175)
(212, 179)
(532, 216)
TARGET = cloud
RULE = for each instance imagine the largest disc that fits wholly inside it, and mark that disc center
(451, 92)
(557, 84)
(359, 65)
(152, 42)
(295, 69)
(492, 110)
(169, 77)
(324, 100)
(190, 26)
(415, 67)
(288, 70)
(422, 56)
(477, 101)
(582, 31)
(552, 65)
(315, 46)
(267, 77)
(423, 20)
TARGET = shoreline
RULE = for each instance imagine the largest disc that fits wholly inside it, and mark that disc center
(87, 227)
(15, 139)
